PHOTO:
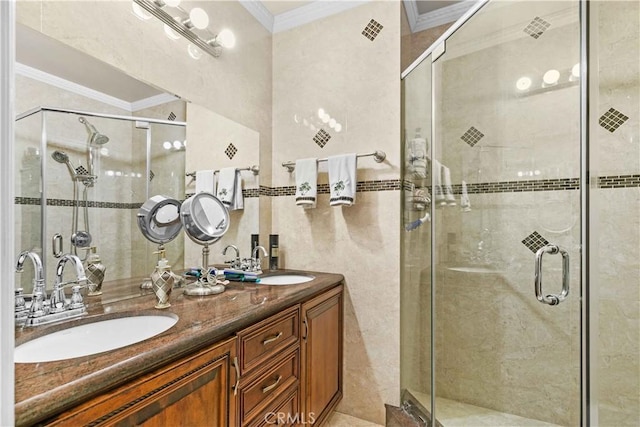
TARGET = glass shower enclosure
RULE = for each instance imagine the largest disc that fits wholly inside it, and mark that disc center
(82, 177)
(521, 210)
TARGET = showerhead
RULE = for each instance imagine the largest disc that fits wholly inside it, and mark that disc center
(62, 157)
(95, 137)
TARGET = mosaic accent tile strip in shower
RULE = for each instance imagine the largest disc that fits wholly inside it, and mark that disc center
(537, 27)
(250, 192)
(619, 181)
(361, 186)
(230, 151)
(519, 186)
(472, 136)
(172, 116)
(321, 138)
(535, 241)
(372, 30)
(612, 120)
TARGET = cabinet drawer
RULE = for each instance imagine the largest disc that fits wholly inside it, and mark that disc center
(260, 391)
(260, 342)
(282, 412)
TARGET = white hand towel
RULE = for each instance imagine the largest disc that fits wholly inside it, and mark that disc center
(437, 182)
(417, 157)
(230, 188)
(448, 188)
(206, 181)
(306, 182)
(342, 179)
(465, 203)
(238, 197)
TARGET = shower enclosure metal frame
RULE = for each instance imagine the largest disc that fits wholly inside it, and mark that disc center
(588, 411)
(139, 122)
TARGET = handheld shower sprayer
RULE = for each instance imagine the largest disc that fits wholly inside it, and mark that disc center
(62, 157)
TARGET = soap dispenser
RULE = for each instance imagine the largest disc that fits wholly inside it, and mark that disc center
(162, 280)
(95, 273)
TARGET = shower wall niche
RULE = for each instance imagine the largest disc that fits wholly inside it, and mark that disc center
(116, 163)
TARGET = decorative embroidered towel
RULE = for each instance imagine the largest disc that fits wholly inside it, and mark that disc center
(437, 182)
(447, 187)
(206, 181)
(230, 188)
(465, 203)
(306, 182)
(342, 179)
(417, 156)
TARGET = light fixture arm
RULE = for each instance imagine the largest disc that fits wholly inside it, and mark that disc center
(182, 27)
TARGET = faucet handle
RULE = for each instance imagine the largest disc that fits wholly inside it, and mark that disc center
(20, 303)
(76, 297)
(37, 306)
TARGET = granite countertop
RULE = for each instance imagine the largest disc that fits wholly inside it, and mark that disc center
(45, 389)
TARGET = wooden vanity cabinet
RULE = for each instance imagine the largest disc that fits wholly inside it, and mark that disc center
(195, 391)
(321, 355)
(290, 373)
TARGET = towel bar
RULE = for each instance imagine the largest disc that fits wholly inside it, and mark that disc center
(255, 169)
(378, 156)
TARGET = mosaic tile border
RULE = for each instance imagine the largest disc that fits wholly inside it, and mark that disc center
(603, 182)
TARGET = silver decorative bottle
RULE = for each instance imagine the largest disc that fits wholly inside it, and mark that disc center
(95, 273)
(162, 280)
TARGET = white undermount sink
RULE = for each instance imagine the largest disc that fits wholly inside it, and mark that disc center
(92, 338)
(286, 279)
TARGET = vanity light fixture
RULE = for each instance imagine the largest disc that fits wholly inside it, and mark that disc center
(193, 26)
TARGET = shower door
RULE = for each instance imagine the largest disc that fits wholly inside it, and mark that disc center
(506, 166)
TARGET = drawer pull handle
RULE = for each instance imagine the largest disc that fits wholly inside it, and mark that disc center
(268, 388)
(272, 338)
(235, 365)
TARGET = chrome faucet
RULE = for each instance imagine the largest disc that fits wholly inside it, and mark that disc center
(42, 310)
(237, 263)
(255, 257)
(58, 300)
(38, 280)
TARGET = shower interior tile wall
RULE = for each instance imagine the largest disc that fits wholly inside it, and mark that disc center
(615, 224)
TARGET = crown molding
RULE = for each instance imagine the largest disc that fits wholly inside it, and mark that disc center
(438, 17)
(152, 101)
(41, 76)
(260, 12)
(311, 12)
(411, 9)
(50, 79)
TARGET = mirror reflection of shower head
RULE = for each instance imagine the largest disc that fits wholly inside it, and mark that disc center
(95, 137)
(62, 157)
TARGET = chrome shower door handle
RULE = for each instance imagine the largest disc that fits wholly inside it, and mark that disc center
(56, 245)
(552, 299)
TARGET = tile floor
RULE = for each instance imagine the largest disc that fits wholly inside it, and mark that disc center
(338, 419)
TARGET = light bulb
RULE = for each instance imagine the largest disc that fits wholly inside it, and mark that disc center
(338, 127)
(139, 12)
(332, 123)
(523, 83)
(177, 144)
(320, 112)
(198, 18)
(551, 77)
(194, 52)
(166, 145)
(172, 3)
(325, 118)
(575, 71)
(226, 39)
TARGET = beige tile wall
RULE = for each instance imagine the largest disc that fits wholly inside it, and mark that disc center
(329, 64)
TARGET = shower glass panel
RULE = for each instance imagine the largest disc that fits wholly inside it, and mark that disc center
(506, 122)
(614, 222)
(94, 173)
(415, 295)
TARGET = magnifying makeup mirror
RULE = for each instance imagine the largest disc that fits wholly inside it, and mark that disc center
(205, 220)
(159, 222)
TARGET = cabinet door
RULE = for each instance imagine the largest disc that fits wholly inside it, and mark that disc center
(195, 391)
(321, 354)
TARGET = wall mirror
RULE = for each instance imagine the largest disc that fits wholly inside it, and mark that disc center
(137, 159)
